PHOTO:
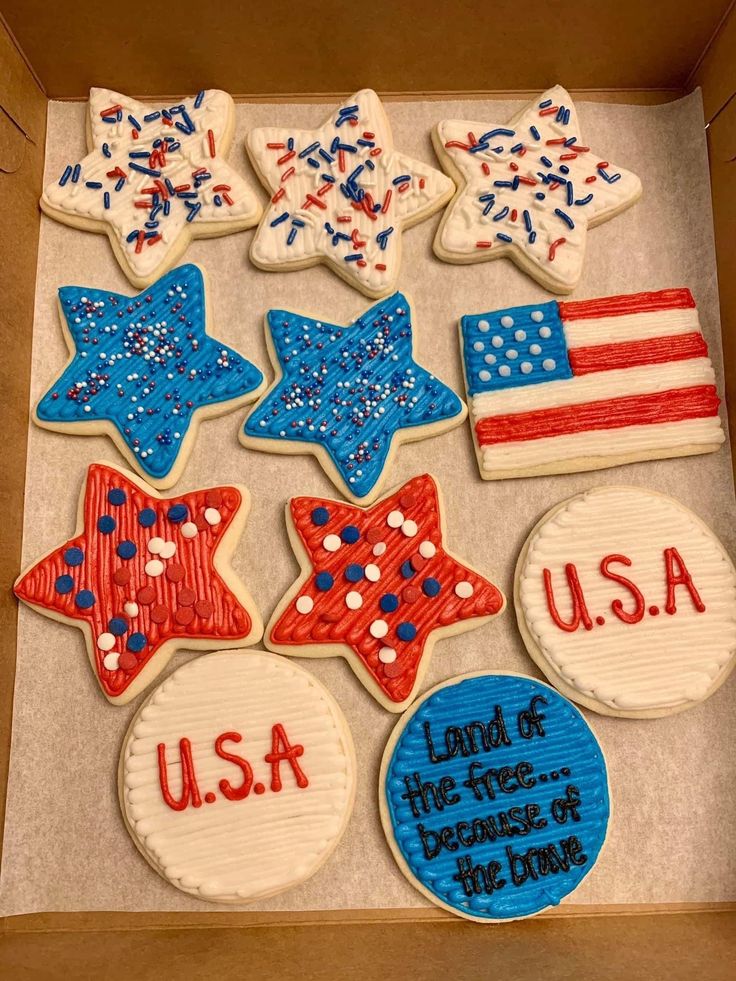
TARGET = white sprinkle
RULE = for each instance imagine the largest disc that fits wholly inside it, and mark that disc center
(167, 550)
(111, 661)
(331, 543)
(427, 549)
(304, 605)
(353, 600)
(512, 354)
(409, 528)
(189, 529)
(155, 545)
(378, 629)
(106, 642)
(464, 589)
(395, 519)
(387, 655)
(212, 516)
(154, 567)
(379, 548)
(372, 572)
(131, 608)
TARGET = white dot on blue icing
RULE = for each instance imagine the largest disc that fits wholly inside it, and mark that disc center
(484, 375)
(525, 367)
(483, 326)
(535, 349)
(497, 340)
(504, 371)
(507, 321)
(537, 316)
(549, 364)
(490, 359)
(479, 346)
(545, 332)
(512, 354)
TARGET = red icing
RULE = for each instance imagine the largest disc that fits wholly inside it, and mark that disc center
(677, 575)
(579, 609)
(282, 751)
(635, 615)
(331, 622)
(115, 581)
(189, 788)
(227, 789)
(616, 306)
(630, 354)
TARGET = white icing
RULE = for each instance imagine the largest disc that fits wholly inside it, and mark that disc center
(239, 851)
(665, 661)
(629, 327)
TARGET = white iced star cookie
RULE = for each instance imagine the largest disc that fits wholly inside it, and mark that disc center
(154, 179)
(342, 195)
(528, 190)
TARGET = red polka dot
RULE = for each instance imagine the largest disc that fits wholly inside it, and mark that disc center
(159, 613)
(121, 577)
(373, 535)
(127, 661)
(201, 522)
(186, 596)
(600, 621)
(209, 797)
(259, 788)
(203, 608)
(407, 500)
(418, 562)
(653, 611)
(184, 615)
(394, 669)
(330, 617)
(146, 595)
(175, 572)
(410, 594)
(213, 498)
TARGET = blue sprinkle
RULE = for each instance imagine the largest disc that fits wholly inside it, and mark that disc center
(150, 116)
(64, 585)
(117, 497)
(606, 178)
(84, 599)
(310, 149)
(546, 161)
(169, 186)
(147, 517)
(198, 100)
(134, 122)
(517, 147)
(532, 238)
(501, 214)
(138, 154)
(369, 163)
(187, 130)
(217, 200)
(277, 221)
(545, 104)
(106, 150)
(406, 631)
(118, 626)
(126, 549)
(335, 144)
(571, 140)
(570, 194)
(166, 114)
(353, 257)
(348, 147)
(106, 524)
(348, 110)
(557, 178)
(489, 207)
(560, 114)
(326, 156)
(499, 131)
(586, 200)
(106, 200)
(368, 143)
(290, 143)
(354, 572)
(95, 185)
(535, 132)
(382, 237)
(389, 602)
(320, 516)
(356, 174)
(132, 236)
(564, 169)
(540, 196)
(527, 221)
(503, 238)
(76, 172)
(350, 534)
(401, 180)
(566, 120)
(328, 178)
(324, 581)
(145, 170)
(194, 210)
(136, 642)
(120, 184)
(430, 587)
(177, 513)
(167, 206)
(406, 570)
(74, 556)
(312, 162)
(566, 218)
(503, 183)
(292, 236)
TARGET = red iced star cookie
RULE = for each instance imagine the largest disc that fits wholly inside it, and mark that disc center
(145, 575)
(378, 587)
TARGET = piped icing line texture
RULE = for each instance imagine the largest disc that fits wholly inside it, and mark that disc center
(341, 194)
(528, 190)
(494, 796)
(379, 587)
(145, 575)
(560, 387)
(627, 601)
(153, 179)
(145, 371)
(349, 394)
(237, 776)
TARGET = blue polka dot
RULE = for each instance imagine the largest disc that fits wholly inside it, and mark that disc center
(84, 599)
(177, 512)
(320, 516)
(354, 572)
(74, 556)
(350, 534)
(389, 603)
(431, 587)
(147, 517)
(136, 642)
(106, 524)
(116, 496)
(406, 570)
(324, 581)
(118, 626)
(64, 584)
(406, 631)
(126, 549)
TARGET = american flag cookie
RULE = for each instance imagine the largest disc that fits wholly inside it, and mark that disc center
(153, 179)
(560, 387)
(342, 195)
(378, 586)
(528, 190)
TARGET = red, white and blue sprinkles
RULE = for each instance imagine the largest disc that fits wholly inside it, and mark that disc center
(348, 392)
(341, 194)
(153, 177)
(144, 365)
(532, 190)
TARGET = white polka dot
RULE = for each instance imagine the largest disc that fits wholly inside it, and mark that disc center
(154, 567)
(387, 655)
(507, 321)
(545, 332)
(549, 364)
(379, 548)
(409, 528)
(512, 354)
(504, 371)
(427, 549)
(212, 516)
(353, 600)
(131, 609)
(111, 660)
(372, 572)
(520, 335)
(378, 629)
(106, 642)
(479, 346)
(464, 589)
(155, 545)
(490, 359)
(484, 375)
(395, 519)
(304, 605)
(484, 326)
(525, 367)
(535, 349)
(497, 341)
(167, 550)
(189, 529)
(537, 316)
(331, 543)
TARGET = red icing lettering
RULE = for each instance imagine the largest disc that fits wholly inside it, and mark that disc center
(677, 575)
(234, 793)
(617, 606)
(281, 749)
(579, 609)
(189, 788)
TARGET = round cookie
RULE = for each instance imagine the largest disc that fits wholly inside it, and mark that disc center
(494, 796)
(627, 601)
(237, 776)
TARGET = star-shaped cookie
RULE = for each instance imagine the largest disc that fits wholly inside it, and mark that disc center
(144, 370)
(528, 190)
(153, 179)
(379, 587)
(350, 395)
(144, 575)
(341, 194)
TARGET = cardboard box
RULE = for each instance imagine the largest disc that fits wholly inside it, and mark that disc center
(624, 52)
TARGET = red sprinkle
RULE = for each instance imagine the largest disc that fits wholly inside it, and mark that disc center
(376, 152)
(556, 142)
(485, 168)
(386, 201)
(589, 180)
(277, 196)
(514, 214)
(603, 165)
(457, 143)
(311, 199)
(341, 160)
(549, 111)
(287, 173)
(276, 146)
(569, 156)
(380, 267)
(154, 239)
(554, 246)
(286, 156)
(344, 218)
(483, 245)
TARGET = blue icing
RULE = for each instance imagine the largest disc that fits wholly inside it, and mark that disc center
(514, 347)
(145, 364)
(350, 389)
(562, 763)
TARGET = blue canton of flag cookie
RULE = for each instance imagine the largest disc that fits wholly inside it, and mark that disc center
(143, 369)
(349, 395)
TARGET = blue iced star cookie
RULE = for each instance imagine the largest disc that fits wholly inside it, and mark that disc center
(144, 370)
(349, 394)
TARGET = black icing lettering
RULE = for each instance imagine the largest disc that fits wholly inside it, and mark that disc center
(479, 878)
